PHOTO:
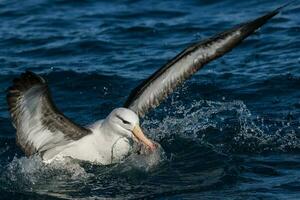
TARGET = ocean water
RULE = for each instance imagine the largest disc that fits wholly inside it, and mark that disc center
(230, 132)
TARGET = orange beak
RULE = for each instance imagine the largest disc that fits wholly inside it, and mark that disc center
(138, 133)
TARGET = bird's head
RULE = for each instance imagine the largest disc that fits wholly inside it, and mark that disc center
(125, 122)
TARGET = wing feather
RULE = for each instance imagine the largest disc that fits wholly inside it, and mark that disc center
(151, 92)
(40, 125)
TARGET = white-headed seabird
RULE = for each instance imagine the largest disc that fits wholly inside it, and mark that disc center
(43, 130)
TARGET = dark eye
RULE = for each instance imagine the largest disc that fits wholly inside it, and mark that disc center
(124, 121)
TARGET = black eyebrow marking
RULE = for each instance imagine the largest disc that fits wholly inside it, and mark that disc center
(124, 121)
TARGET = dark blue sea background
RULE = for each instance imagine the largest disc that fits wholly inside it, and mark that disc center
(230, 132)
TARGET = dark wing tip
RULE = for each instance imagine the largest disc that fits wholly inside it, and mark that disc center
(255, 24)
(26, 81)
(250, 27)
(20, 85)
(285, 5)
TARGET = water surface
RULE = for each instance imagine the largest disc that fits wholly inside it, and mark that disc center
(231, 132)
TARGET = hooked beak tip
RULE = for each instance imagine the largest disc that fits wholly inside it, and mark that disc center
(138, 133)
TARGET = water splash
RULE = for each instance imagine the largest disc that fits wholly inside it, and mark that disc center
(144, 162)
(229, 125)
(33, 175)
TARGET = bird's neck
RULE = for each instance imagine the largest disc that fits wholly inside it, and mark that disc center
(108, 132)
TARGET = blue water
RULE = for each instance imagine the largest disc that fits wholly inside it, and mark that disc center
(231, 132)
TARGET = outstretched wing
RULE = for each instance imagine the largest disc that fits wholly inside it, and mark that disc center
(40, 125)
(159, 85)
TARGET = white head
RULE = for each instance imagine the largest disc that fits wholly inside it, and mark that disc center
(126, 123)
(123, 121)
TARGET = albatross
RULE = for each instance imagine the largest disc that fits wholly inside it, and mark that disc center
(41, 129)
